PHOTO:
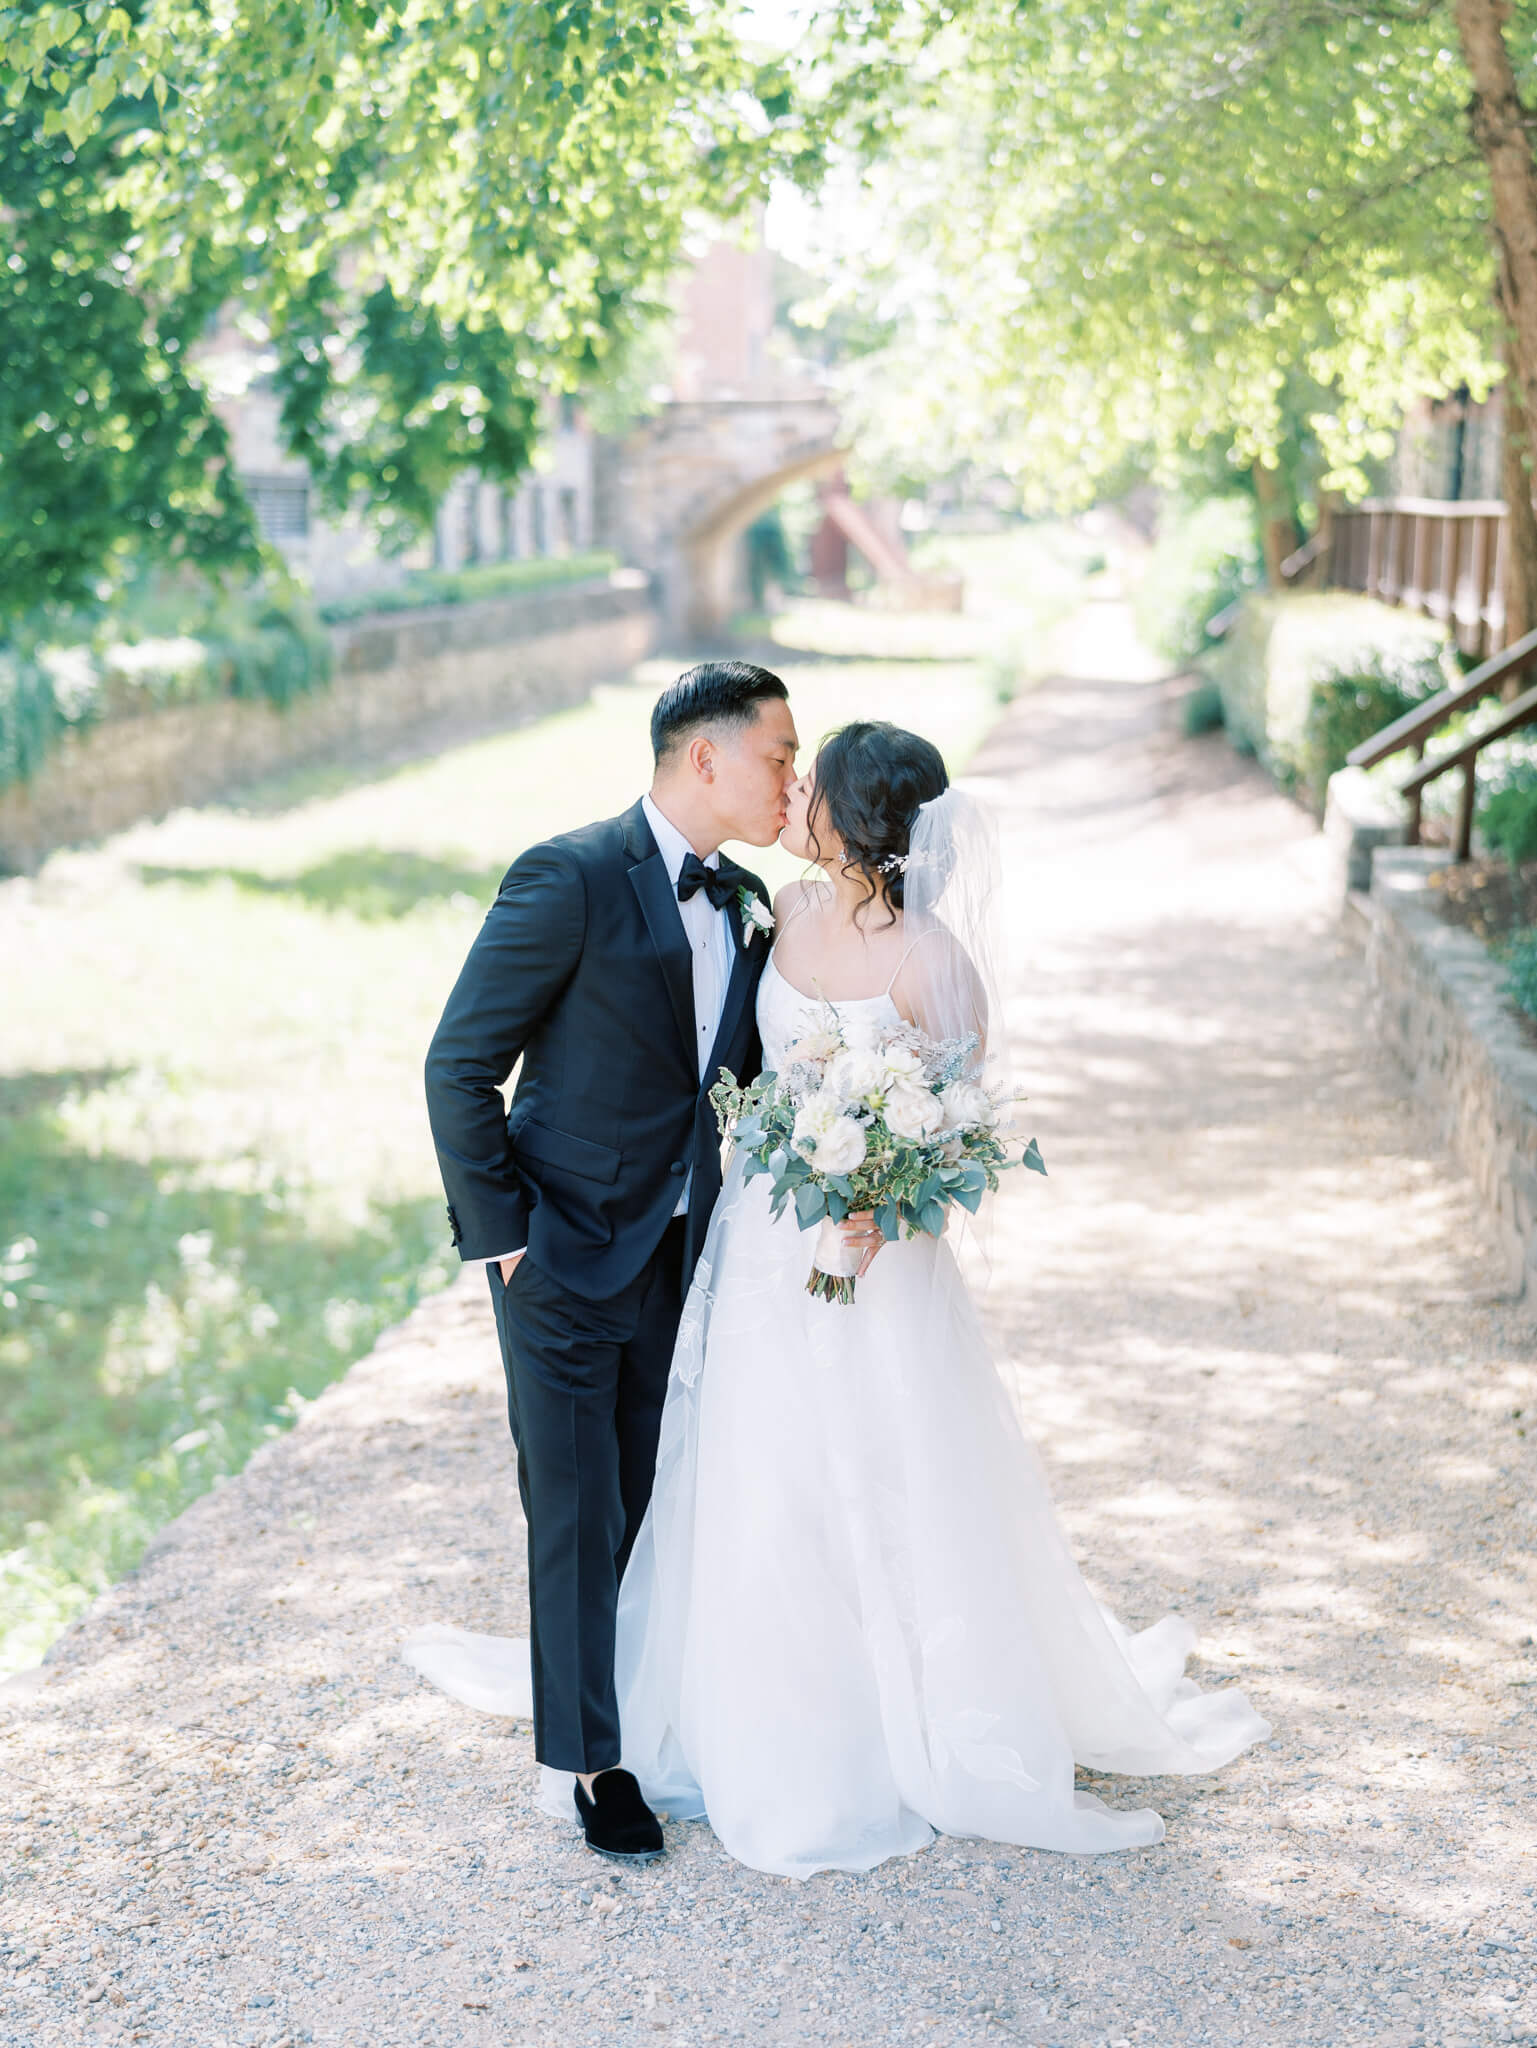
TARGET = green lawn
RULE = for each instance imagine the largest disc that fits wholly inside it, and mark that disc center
(216, 1181)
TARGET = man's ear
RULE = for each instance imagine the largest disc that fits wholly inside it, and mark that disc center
(701, 756)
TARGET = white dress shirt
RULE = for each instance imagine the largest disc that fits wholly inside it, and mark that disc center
(710, 946)
(711, 950)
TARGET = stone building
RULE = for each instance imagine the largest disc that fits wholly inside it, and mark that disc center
(550, 513)
(739, 419)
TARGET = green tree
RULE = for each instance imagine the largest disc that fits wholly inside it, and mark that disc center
(108, 446)
(1155, 225)
(431, 214)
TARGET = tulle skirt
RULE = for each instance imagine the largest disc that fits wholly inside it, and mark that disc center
(851, 1619)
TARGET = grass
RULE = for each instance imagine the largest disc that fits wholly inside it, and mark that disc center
(217, 1185)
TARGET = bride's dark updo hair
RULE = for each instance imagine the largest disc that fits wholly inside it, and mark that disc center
(870, 779)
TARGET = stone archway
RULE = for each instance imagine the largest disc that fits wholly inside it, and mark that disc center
(677, 492)
(708, 548)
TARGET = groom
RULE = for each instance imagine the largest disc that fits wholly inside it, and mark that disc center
(620, 963)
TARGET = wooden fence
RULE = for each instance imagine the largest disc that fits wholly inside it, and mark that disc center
(1430, 554)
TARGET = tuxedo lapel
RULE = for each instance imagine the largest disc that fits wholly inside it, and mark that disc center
(659, 904)
(748, 957)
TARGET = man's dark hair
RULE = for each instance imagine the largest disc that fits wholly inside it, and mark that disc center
(714, 693)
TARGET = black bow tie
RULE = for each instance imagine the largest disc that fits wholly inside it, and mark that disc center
(719, 884)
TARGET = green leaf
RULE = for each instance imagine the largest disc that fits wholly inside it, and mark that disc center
(810, 1204)
(889, 1216)
(1032, 1158)
(931, 1218)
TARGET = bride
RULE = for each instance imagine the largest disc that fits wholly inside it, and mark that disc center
(851, 1619)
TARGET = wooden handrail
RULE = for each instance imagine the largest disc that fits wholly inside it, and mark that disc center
(1435, 508)
(1301, 558)
(1416, 726)
(1520, 711)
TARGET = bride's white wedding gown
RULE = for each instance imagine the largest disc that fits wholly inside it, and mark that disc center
(851, 1618)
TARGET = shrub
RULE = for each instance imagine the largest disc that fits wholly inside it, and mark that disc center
(1348, 706)
(1508, 815)
(259, 644)
(464, 586)
(1206, 556)
(1305, 678)
(1520, 957)
(272, 652)
(1201, 710)
(30, 717)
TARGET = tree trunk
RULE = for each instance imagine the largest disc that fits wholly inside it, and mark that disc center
(1277, 525)
(1322, 574)
(1498, 121)
(1520, 577)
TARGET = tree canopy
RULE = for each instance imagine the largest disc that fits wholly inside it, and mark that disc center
(1070, 235)
(1156, 226)
(431, 214)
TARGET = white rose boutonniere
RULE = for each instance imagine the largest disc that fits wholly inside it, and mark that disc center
(756, 915)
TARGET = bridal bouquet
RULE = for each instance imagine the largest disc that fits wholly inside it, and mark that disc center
(892, 1123)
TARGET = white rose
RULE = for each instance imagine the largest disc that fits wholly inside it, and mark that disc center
(913, 1112)
(862, 1030)
(816, 1118)
(841, 1148)
(857, 1077)
(964, 1105)
(901, 1063)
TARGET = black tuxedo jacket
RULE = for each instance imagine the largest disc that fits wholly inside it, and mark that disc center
(582, 969)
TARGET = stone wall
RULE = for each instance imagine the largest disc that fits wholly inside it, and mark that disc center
(1359, 816)
(1437, 1003)
(401, 682)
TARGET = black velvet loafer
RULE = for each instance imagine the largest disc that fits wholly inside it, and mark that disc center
(618, 1823)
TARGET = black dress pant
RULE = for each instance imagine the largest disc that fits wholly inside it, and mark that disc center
(585, 1386)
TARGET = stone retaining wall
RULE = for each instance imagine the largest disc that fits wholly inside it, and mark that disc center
(403, 680)
(1437, 1003)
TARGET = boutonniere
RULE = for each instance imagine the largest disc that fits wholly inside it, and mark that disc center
(756, 915)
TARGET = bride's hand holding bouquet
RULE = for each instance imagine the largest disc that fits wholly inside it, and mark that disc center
(898, 1124)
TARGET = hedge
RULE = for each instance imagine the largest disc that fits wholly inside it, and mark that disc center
(467, 586)
(1304, 678)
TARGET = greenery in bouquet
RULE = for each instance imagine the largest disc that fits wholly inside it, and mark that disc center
(900, 1125)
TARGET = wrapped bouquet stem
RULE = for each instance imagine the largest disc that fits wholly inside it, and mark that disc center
(833, 1265)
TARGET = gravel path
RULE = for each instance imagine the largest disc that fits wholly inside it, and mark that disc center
(1252, 1319)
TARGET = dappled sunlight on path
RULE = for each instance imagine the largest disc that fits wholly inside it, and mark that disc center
(1254, 1321)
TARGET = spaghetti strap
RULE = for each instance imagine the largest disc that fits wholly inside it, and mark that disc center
(907, 951)
(807, 890)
